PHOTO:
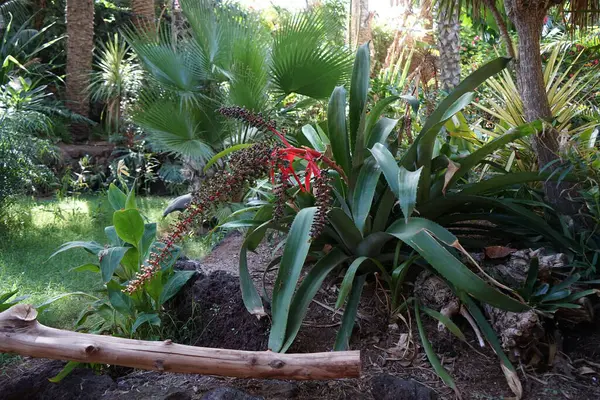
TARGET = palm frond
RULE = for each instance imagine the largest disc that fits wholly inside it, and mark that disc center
(189, 131)
(302, 62)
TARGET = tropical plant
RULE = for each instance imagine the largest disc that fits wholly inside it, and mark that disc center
(117, 74)
(227, 57)
(131, 241)
(361, 226)
(80, 45)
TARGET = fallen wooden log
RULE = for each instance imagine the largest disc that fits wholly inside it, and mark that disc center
(21, 333)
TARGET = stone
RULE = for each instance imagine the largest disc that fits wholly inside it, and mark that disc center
(389, 387)
(228, 393)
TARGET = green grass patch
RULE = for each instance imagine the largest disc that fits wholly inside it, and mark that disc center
(36, 228)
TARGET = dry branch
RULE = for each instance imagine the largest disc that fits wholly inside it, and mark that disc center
(21, 333)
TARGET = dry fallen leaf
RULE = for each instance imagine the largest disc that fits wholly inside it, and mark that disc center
(585, 371)
(498, 251)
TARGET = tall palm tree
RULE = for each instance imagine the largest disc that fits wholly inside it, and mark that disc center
(144, 14)
(448, 33)
(80, 47)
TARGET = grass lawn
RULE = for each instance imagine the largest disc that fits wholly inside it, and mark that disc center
(38, 227)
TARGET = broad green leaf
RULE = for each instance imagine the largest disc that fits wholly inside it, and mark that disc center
(431, 356)
(342, 339)
(348, 279)
(129, 225)
(294, 256)
(113, 238)
(306, 292)
(510, 179)
(130, 203)
(408, 184)
(116, 197)
(110, 259)
(131, 261)
(359, 87)
(241, 223)
(364, 192)
(67, 369)
(119, 300)
(424, 236)
(143, 318)
(8, 295)
(91, 247)
(85, 267)
(174, 285)
(336, 127)
(148, 238)
(313, 138)
(225, 153)
(381, 131)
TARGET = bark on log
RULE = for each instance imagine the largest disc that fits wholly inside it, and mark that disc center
(21, 333)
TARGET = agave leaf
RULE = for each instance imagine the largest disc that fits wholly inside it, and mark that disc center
(359, 87)
(314, 138)
(342, 339)
(348, 279)
(376, 112)
(509, 370)
(306, 292)
(448, 323)
(294, 256)
(381, 131)
(431, 356)
(336, 127)
(408, 184)
(364, 192)
(424, 236)
(345, 228)
(250, 295)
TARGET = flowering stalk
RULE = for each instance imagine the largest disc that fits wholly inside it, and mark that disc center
(245, 167)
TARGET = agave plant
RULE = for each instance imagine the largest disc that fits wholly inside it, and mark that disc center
(568, 88)
(227, 57)
(362, 227)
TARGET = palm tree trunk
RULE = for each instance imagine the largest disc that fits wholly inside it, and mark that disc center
(144, 14)
(80, 47)
(528, 20)
(448, 29)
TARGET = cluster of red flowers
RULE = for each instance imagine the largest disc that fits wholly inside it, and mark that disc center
(245, 167)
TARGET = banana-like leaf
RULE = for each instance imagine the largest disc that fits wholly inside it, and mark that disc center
(431, 356)
(294, 256)
(342, 340)
(306, 292)
(359, 87)
(348, 279)
(424, 236)
(364, 192)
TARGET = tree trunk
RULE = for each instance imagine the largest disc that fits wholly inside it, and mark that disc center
(21, 333)
(80, 47)
(143, 14)
(528, 19)
(360, 23)
(448, 29)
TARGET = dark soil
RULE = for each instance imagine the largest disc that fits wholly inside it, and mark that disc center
(210, 313)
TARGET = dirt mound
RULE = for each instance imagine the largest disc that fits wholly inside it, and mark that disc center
(211, 313)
